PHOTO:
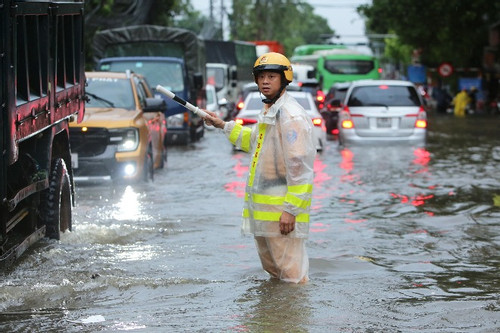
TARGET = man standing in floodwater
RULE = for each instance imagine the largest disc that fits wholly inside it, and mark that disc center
(280, 180)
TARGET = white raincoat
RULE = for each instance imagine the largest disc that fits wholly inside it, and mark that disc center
(280, 179)
(281, 170)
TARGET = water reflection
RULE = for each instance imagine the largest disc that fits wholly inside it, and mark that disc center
(129, 206)
(274, 306)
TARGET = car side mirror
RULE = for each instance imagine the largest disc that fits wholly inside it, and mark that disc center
(155, 104)
(198, 80)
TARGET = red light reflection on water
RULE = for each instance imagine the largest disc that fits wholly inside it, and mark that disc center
(238, 186)
(421, 159)
(353, 221)
(318, 227)
(319, 175)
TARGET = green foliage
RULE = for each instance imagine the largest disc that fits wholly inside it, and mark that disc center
(445, 30)
(291, 22)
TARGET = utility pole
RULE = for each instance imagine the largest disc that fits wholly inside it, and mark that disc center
(212, 10)
(222, 11)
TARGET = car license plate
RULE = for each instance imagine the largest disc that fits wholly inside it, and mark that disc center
(384, 122)
(74, 160)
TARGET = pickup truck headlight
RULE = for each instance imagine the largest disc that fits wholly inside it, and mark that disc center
(177, 120)
(126, 139)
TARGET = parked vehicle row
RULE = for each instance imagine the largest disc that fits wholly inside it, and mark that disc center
(357, 112)
(253, 105)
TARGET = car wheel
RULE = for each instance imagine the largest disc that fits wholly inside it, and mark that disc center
(164, 156)
(148, 170)
(56, 201)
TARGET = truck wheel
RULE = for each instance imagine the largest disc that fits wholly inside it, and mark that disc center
(55, 204)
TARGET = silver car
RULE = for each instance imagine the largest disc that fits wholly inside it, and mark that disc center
(377, 111)
(253, 105)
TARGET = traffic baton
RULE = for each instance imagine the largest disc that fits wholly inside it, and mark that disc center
(182, 102)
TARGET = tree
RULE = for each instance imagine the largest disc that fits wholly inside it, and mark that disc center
(444, 30)
(291, 22)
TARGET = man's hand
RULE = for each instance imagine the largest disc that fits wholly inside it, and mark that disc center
(212, 120)
(287, 223)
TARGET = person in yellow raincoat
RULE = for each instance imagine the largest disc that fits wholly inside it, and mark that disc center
(460, 102)
(280, 180)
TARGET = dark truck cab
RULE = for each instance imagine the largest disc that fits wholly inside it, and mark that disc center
(41, 90)
(171, 57)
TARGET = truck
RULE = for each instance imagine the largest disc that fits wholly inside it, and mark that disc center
(171, 57)
(229, 66)
(41, 89)
(264, 46)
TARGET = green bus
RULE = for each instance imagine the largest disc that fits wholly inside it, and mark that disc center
(337, 63)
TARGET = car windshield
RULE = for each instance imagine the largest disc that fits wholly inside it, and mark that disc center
(384, 95)
(109, 92)
(169, 75)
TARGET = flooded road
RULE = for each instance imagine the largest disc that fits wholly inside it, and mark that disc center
(402, 240)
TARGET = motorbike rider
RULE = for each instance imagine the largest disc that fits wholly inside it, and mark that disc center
(280, 180)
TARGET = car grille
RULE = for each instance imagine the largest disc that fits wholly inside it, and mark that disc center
(90, 143)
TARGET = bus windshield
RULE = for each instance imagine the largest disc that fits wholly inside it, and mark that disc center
(332, 69)
(346, 66)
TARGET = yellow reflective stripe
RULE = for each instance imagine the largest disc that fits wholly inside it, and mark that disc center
(302, 218)
(267, 199)
(297, 202)
(258, 147)
(274, 216)
(235, 133)
(300, 189)
(245, 139)
(267, 216)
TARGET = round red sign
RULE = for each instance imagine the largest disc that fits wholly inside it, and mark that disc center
(445, 69)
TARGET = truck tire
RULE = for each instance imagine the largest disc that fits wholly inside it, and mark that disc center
(56, 201)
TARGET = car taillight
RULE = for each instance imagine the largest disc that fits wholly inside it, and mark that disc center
(245, 121)
(240, 105)
(421, 121)
(320, 96)
(347, 123)
(317, 121)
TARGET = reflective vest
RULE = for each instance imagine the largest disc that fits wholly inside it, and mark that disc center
(281, 173)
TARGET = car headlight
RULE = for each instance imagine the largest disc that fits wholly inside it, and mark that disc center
(126, 139)
(177, 120)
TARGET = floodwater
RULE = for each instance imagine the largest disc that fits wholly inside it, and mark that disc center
(402, 239)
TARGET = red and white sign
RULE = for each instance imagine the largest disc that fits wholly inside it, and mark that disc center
(445, 69)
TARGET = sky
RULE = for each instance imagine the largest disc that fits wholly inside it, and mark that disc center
(340, 14)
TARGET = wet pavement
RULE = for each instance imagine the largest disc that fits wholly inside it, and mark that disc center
(402, 239)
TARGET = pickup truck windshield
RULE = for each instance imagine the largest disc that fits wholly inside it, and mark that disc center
(109, 92)
(169, 75)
